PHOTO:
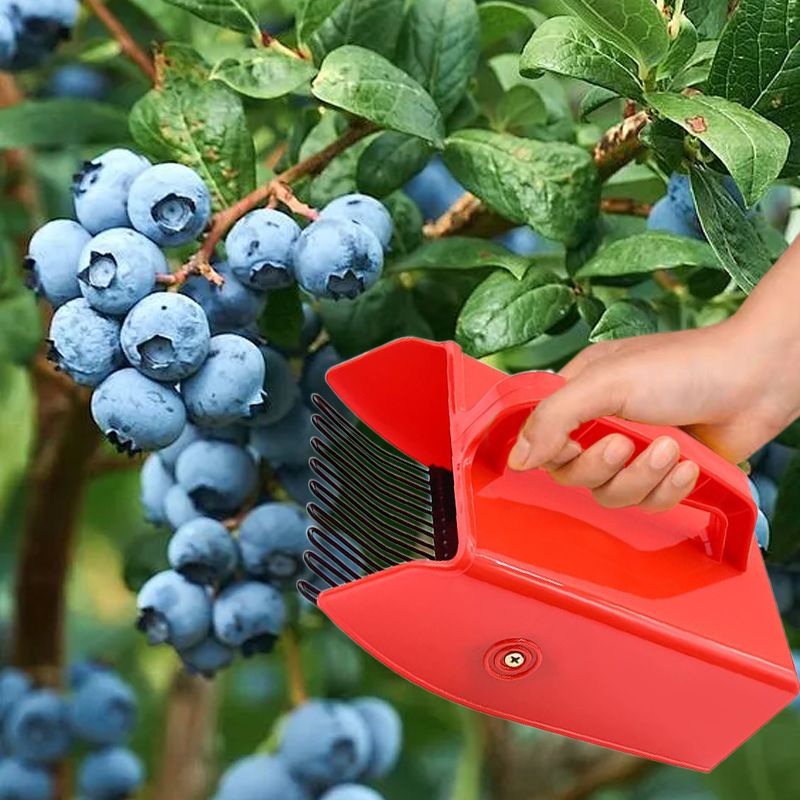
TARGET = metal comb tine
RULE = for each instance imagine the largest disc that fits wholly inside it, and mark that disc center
(368, 449)
(339, 545)
(309, 591)
(354, 527)
(321, 568)
(382, 452)
(351, 472)
(397, 524)
(322, 550)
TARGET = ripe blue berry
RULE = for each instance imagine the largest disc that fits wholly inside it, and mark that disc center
(280, 387)
(203, 551)
(136, 413)
(665, 217)
(364, 209)
(249, 616)
(169, 455)
(155, 480)
(179, 508)
(434, 189)
(351, 791)
(103, 710)
(762, 530)
(39, 25)
(338, 259)
(170, 204)
(287, 442)
(325, 744)
(767, 491)
(84, 343)
(118, 268)
(166, 336)
(295, 481)
(207, 658)
(259, 249)
(525, 242)
(312, 326)
(259, 777)
(777, 460)
(316, 367)
(53, 256)
(217, 476)
(228, 307)
(78, 80)
(14, 685)
(173, 610)
(111, 774)
(272, 540)
(36, 728)
(81, 671)
(8, 40)
(100, 189)
(21, 781)
(229, 386)
(386, 730)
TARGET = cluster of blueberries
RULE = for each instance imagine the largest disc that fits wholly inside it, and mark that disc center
(31, 29)
(326, 751)
(39, 727)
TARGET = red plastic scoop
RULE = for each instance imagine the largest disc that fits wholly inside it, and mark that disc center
(505, 592)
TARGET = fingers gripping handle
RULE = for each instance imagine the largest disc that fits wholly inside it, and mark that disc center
(721, 488)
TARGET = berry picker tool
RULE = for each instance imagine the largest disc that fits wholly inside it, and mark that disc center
(508, 593)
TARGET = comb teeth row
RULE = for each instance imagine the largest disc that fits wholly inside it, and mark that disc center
(377, 507)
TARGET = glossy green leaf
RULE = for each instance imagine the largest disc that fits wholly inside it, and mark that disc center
(624, 319)
(569, 46)
(339, 177)
(753, 149)
(708, 16)
(681, 50)
(390, 161)
(236, 14)
(364, 83)
(265, 73)
(519, 109)
(312, 14)
(551, 186)
(500, 18)
(594, 99)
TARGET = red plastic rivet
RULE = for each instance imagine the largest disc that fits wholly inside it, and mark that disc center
(512, 658)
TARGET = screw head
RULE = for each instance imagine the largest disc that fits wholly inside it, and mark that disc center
(515, 659)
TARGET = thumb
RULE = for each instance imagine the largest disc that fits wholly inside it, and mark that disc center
(593, 393)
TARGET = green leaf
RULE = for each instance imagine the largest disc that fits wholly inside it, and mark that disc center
(595, 99)
(624, 319)
(753, 149)
(339, 177)
(636, 26)
(648, 252)
(591, 309)
(364, 83)
(729, 230)
(282, 322)
(265, 73)
(708, 16)
(197, 122)
(569, 46)
(374, 24)
(505, 312)
(697, 69)
(463, 253)
(54, 123)
(758, 63)
(518, 110)
(553, 187)
(681, 50)
(440, 47)
(408, 223)
(20, 327)
(390, 161)
(500, 19)
(238, 15)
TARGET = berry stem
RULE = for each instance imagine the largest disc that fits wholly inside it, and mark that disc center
(624, 205)
(125, 40)
(298, 693)
(270, 41)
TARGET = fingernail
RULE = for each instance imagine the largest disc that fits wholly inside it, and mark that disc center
(664, 453)
(684, 474)
(519, 454)
(617, 451)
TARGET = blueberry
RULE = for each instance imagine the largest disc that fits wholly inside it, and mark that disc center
(100, 189)
(78, 80)
(434, 189)
(249, 616)
(217, 476)
(229, 386)
(136, 413)
(364, 209)
(36, 728)
(259, 249)
(207, 658)
(312, 326)
(313, 380)
(228, 307)
(777, 460)
(295, 481)
(14, 685)
(8, 40)
(762, 530)
(39, 26)
(280, 387)
(166, 336)
(325, 743)
(169, 455)
(288, 442)
(173, 610)
(103, 710)
(84, 343)
(337, 258)
(20, 781)
(111, 774)
(768, 493)
(272, 539)
(664, 217)
(179, 508)
(203, 551)
(53, 256)
(351, 791)
(259, 777)
(118, 268)
(170, 204)
(386, 730)
(82, 671)
(155, 481)
(525, 242)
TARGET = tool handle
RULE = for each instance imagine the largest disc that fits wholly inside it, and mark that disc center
(721, 490)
